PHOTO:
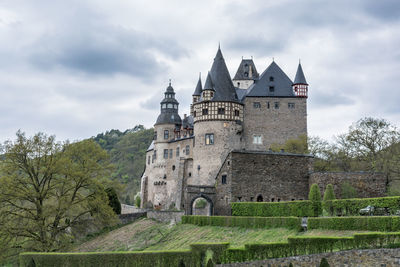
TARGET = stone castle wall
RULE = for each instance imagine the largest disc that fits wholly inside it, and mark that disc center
(366, 257)
(367, 184)
(275, 125)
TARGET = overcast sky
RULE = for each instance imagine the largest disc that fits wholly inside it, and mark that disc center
(78, 68)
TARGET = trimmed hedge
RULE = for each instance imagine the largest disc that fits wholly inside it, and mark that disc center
(245, 222)
(367, 223)
(352, 206)
(273, 209)
(301, 245)
(110, 259)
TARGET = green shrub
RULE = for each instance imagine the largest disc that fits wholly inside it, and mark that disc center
(348, 191)
(113, 200)
(244, 222)
(324, 263)
(315, 197)
(368, 223)
(138, 200)
(329, 195)
(273, 209)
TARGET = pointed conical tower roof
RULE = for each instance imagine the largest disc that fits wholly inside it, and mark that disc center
(199, 88)
(246, 71)
(209, 84)
(300, 78)
(224, 89)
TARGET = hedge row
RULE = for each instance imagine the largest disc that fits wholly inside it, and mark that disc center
(111, 259)
(202, 254)
(245, 222)
(348, 207)
(308, 245)
(273, 209)
(344, 207)
(367, 223)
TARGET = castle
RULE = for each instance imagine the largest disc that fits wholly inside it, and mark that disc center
(220, 152)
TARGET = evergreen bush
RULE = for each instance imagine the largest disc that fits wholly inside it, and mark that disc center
(113, 200)
(273, 209)
(324, 263)
(315, 197)
(329, 195)
(138, 201)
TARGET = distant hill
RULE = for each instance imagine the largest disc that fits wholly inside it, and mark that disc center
(128, 152)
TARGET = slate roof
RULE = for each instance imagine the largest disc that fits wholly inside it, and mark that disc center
(209, 85)
(300, 78)
(272, 82)
(246, 66)
(199, 88)
(169, 115)
(241, 93)
(151, 146)
(187, 122)
(221, 79)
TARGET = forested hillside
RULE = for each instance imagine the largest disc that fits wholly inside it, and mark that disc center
(127, 151)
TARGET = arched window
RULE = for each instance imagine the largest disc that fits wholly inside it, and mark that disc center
(260, 198)
(187, 150)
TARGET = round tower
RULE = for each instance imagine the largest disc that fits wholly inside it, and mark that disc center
(300, 85)
(218, 117)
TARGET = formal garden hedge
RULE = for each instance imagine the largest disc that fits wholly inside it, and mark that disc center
(206, 254)
(361, 223)
(245, 222)
(273, 209)
(343, 207)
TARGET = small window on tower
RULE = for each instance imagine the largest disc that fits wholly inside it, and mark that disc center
(246, 74)
(205, 111)
(272, 89)
(165, 153)
(209, 139)
(194, 113)
(155, 135)
(276, 105)
(187, 150)
(237, 112)
(169, 106)
(221, 111)
(267, 105)
(170, 153)
(291, 105)
(256, 104)
(257, 139)
(271, 79)
(211, 94)
(177, 151)
(238, 84)
(166, 134)
(223, 178)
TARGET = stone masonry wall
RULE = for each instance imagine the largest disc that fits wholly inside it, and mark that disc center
(359, 258)
(367, 184)
(223, 190)
(166, 216)
(275, 125)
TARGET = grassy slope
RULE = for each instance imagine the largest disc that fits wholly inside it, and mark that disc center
(146, 234)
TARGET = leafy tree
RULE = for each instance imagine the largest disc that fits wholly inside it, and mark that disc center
(329, 194)
(113, 200)
(47, 187)
(347, 191)
(315, 197)
(294, 145)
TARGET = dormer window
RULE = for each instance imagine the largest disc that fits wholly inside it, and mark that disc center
(272, 89)
(212, 94)
(246, 74)
(169, 106)
(271, 79)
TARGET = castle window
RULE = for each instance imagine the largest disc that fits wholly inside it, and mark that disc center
(173, 167)
(165, 153)
(221, 111)
(165, 176)
(194, 113)
(272, 199)
(267, 105)
(238, 84)
(175, 106)
(291, 105)
(209, 139)
(190, 174)
(276, 105)
(177, 152)
(260, 198)
(272, 89)
(155, 135)
(166, 134)
(154, 155)
(169, 106)
(211, 94)
(271, 79)
(223, 178)
(164, 106)
(170, 153)
(148, 160)
(205, 111)
(246, 74)
(236, 112)
(257, 139)
(187, 150)
(256, 105)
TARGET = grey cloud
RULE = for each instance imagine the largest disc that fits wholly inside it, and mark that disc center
(325, 99)
(383, 10)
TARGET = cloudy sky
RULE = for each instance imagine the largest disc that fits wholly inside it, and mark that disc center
(77, 68)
